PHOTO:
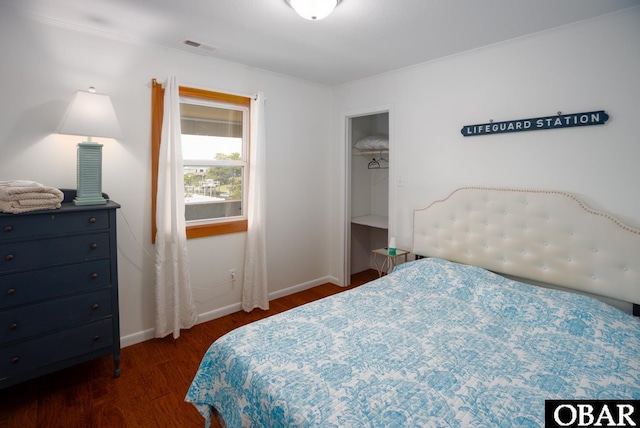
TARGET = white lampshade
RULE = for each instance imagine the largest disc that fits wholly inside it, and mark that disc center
(91, 115)
(313, 9)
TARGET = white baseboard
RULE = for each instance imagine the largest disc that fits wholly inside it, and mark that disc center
(142, 336)
(219, 313)
(139, 337)
(301, 287)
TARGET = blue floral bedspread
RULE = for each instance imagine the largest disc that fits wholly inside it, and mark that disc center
(434, 344)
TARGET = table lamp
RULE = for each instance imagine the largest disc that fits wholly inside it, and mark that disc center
(92, 115)
(392, 246)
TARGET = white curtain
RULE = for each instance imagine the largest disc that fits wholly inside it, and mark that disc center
(175, 308)
(254, 291)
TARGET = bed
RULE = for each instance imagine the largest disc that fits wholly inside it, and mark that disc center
(448, 340)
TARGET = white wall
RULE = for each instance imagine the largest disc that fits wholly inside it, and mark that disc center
(588, 66)
(42, 66)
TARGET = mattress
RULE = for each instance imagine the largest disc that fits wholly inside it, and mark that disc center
(434, 344)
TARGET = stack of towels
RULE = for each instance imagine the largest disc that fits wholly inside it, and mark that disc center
(19, 196)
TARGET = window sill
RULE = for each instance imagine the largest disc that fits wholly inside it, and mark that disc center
(203, 230)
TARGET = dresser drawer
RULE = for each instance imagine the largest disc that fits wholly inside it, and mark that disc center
(47, 252)
(39, 225)
(23, 357)
(26, 321)
(42, 284)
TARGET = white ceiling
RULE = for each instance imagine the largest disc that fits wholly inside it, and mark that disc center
(360, 38)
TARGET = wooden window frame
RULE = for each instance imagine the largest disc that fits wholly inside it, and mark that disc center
(157, 113)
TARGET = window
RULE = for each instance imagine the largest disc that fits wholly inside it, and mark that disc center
(215, 151)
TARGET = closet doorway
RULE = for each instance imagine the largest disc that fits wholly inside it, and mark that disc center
(368, 166)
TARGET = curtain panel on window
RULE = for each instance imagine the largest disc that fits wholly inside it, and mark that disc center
(255, 290)
(175, 308)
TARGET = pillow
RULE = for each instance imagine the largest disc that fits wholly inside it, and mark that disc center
(373, 142)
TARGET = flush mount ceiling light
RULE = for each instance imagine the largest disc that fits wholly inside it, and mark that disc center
(313, 10)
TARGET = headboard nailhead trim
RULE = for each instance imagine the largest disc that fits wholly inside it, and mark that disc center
(555, 192)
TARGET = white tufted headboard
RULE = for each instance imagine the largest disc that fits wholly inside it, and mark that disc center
(545, 236)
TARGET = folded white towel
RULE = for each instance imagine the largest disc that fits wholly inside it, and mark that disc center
(8, 193)
(37, 202)
(17, 207)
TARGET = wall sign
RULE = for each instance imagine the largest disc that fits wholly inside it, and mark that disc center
(548, 122)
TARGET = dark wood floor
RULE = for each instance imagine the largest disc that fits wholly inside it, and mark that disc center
(150, 391)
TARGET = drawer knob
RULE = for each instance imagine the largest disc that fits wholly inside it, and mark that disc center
(13, 326)
(92, 220)
(96, 338)
(7, 229)
(11, 292)
(14, 360)
(94, 276)
(95, 306)
(8, 257)
(94, 246)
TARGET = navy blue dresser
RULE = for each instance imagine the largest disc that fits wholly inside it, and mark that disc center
(58, 289)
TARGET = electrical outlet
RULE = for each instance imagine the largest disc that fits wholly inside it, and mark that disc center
(233, 274)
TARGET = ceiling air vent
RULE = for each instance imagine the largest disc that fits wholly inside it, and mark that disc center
(204, 48)
(192, 43)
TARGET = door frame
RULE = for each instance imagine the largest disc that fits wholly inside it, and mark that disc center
(347, 118)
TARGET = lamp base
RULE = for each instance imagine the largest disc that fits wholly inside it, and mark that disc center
(90, 201)
(89, 175)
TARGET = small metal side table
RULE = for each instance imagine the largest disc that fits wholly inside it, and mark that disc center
(388, 261)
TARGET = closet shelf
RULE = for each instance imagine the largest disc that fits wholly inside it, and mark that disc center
(379, 221)
(357, 152)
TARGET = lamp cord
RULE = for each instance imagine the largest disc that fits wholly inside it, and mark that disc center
(134, 235)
